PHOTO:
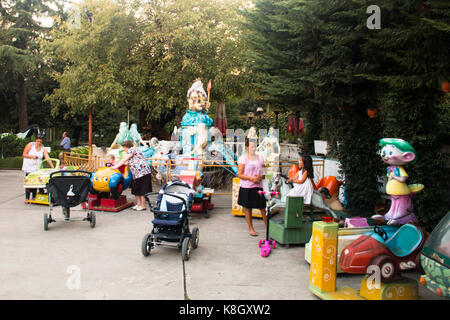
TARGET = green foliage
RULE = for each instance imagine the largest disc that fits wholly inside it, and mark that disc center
(12, 146)
(319, 59)
(11, 163)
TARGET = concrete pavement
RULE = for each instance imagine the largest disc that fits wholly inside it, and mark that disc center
(37, 264)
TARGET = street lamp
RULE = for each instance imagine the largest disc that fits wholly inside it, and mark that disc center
(128, 106)
(276, 110)
(259, 111)
(250, 115)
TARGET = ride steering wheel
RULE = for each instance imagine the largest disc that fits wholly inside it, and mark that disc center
(380, 231)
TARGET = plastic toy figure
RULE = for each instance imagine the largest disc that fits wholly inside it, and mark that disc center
(198, 107)
(111, 180)
(124, 134)
(397, 153)
(137, 139)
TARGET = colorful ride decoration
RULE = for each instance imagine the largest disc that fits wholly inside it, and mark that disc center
(202, 198)
(397, 153)
(295, 225)
(107, 186)
(196, 122)
(391, 255)
(348, 234)
(435, 259)
(323, 273)
(293, 169)
(40, 178)
(124, 134)
(112, 181)
(269, 149)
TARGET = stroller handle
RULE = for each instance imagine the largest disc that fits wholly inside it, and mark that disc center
(71, 171)
(169, 194)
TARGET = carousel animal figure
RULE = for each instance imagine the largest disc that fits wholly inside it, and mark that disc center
(279, 183)
(269, 149)
(252, 135)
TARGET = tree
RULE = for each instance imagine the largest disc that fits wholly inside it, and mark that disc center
(19, 47)
(339, 67)
(185, 40)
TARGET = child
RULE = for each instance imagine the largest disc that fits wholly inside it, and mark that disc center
(302, 180)
(111, 161)
(61, 161)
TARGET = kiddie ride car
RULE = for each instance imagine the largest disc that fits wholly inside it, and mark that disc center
(400, 252)
(368, 255)
(40, 178)
(107, 186)
(435, 259)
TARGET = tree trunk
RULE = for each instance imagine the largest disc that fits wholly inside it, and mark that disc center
(22, 111)
(76, 135)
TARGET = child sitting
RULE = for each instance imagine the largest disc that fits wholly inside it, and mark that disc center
(303, 180)
(111, 161)
(61, 161)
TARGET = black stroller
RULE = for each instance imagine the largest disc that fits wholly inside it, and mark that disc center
(69, 188)
(171, 219)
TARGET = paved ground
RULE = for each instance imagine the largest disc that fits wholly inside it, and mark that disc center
(227, 265)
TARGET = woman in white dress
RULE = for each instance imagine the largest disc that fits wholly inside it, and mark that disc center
(303, 180)
(32, 155)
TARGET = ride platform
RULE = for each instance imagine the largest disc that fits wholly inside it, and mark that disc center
(101, 203)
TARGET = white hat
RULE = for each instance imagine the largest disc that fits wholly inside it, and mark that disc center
(197, 86)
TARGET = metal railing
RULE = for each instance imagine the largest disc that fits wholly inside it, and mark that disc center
(93, 163)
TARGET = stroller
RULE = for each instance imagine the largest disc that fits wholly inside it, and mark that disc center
(171, 219)
(68, 188)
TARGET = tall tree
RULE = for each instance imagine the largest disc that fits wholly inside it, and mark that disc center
(19, 47)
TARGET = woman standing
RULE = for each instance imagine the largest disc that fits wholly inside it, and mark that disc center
(250, 175)
(142, 181)
(32, 159)
(303, 180)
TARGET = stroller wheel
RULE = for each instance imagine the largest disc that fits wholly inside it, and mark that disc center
(146, 245)
(92, 219)
(195, 237)
(186, 249)
(46, 221)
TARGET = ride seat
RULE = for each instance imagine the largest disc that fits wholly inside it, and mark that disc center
(405, 240)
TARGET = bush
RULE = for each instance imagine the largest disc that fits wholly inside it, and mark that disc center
(11, 163)
(12, 146)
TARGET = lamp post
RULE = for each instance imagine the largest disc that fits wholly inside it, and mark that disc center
(276, 110)
(128, 106)
(259, 112)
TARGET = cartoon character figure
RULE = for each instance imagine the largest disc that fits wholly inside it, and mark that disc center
(197, 97)
(397, 153)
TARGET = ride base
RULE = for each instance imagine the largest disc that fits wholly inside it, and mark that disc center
(322, 280)
(102, 203)
(294, 227)
(41, 198)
